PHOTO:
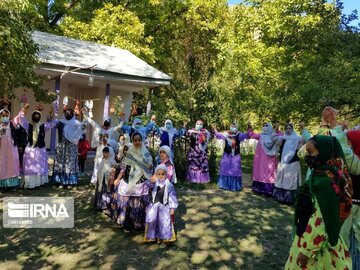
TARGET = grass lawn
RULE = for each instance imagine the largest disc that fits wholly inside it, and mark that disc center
(216, 230)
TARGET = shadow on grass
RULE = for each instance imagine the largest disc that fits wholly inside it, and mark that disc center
(216, 230)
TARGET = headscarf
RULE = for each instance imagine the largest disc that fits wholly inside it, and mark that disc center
(107, 118)
(167, 150)
(136, 121)
(161, 184)
(5, 110)
(121, 146)
(140, 161)
(72, 130)
(266, 139)
(105, 168)
(320, 185)
(290, 146)
(171, 132)
(161, 167)
(354, 138)
(36, 128)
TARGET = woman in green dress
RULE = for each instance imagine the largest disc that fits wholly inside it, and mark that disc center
(322, 204)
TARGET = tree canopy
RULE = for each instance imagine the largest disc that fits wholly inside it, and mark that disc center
(278, 60)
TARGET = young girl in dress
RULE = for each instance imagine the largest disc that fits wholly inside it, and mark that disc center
(159, 225)
(104, 177)
(165, 159)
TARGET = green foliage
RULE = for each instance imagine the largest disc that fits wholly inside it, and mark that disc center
(111, 25)
(17, 50)
(277, 60)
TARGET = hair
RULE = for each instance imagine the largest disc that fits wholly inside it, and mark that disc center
(106, 150)
(136, 134)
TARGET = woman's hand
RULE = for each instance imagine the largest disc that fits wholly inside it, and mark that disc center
(302, 260)
(172, 211)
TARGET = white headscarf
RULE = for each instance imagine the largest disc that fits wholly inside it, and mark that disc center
(267, 141)
(167, 150)
(72, 130)
(105, 168)
(171, 132)
(141, 162)
(165, 183)
(290, 146)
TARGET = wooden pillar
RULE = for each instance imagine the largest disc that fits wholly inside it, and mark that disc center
(107, 100)
(56, 104)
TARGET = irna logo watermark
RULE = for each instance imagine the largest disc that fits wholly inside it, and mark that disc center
(38, 212)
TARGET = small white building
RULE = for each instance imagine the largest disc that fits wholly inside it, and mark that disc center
(69, 63)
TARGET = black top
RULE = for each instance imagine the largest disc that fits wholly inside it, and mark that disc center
(41, 136)
(60, 126)
(18, 135)
(228, 148)
(294, 159)
(159, 197)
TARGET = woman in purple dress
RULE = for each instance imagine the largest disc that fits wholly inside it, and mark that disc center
(159, 225)
(198, 165)
(35, 161)
(230, 177)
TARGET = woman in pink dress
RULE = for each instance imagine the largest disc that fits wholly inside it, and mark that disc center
(265, 161)
(9, 156)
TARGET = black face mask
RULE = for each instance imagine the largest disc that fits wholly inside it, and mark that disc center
(68, 117)
(35, 118)
(106, 124)
(312, 161)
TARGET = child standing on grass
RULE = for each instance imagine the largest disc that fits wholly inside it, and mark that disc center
(105, 176)
(159, 225)
(83, 148)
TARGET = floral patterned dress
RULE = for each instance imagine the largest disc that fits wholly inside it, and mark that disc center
(314, 244)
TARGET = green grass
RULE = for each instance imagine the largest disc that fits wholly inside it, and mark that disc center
(216, 230)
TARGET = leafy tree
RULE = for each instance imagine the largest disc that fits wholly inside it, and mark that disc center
(17, 50)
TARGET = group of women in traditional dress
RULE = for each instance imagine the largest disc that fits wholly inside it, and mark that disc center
(138, 192)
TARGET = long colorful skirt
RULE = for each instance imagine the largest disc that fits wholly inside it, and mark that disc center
(230, 177)
(197, 166)
(264, 172)
(35, 167)
(288, 180)
(130, 211)
(159, 225)
(66, 168)
(9, 163)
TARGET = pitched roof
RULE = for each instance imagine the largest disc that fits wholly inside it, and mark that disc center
(69, 52)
